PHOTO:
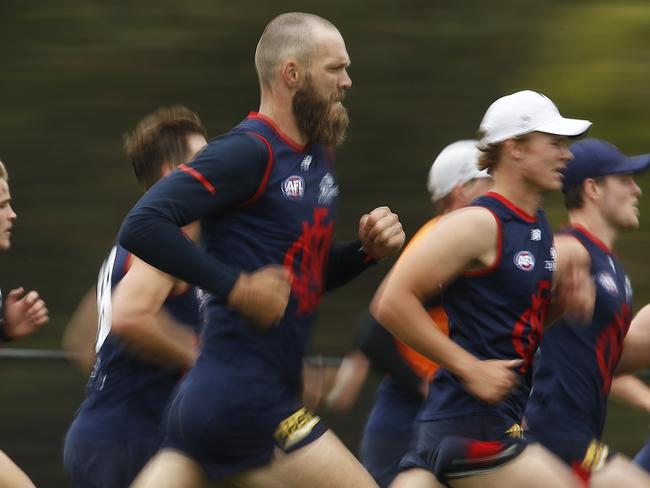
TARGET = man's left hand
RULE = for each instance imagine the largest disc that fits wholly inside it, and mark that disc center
(24, 313)
(381, 233)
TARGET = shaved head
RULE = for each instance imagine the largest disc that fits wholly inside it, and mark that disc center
(290, 35)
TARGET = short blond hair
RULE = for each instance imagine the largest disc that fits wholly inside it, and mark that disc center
(289, 35)
(491, 153)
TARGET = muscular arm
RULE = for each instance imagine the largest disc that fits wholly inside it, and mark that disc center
(435, 259)
(573, 289)
(636, 347)
(348, 381)
(139, 320)
(79, 336)
(225, 174)
(632, 391)
(463, 240)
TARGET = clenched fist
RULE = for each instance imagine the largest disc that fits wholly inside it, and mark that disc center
(381, 233)
(262, 296)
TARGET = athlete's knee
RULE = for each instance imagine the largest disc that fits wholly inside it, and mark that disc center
(173, 470)
(620, 471)
(416, 478)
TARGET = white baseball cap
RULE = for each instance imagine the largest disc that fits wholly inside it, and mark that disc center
(523, 112)
(455, 165)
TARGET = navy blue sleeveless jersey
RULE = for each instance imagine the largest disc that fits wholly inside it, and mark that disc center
(498, 313)
(126, 396)
(573, 373)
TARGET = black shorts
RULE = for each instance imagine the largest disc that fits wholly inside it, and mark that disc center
(464, 446)
(459, 457)
(235, 429)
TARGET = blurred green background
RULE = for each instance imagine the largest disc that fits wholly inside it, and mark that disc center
(76, 74)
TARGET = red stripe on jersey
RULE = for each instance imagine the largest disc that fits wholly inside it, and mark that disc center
(267, 120)
(267, 171)
(523, 214)
(592, 238)
(201, 179)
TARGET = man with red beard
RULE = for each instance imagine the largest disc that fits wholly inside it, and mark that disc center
(265, 193)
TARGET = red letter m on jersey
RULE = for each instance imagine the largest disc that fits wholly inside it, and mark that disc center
(312, 249)
(530, 326)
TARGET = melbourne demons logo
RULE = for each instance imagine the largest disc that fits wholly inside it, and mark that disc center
(293, 188)
(524, 260)
(529, 328)
(306, 259)
(327, 190)
(609, 346)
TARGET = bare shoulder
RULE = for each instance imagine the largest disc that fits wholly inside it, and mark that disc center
(643, 317)
(470, 220)
(465, 236)
(475, 227)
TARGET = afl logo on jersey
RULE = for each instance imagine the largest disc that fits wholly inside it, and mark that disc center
(293, 188)
(524, 260)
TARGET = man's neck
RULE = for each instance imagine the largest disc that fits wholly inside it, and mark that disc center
(595, 224)
(282, 115)
(520, 196)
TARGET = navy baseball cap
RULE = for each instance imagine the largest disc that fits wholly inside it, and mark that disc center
(595, 157)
